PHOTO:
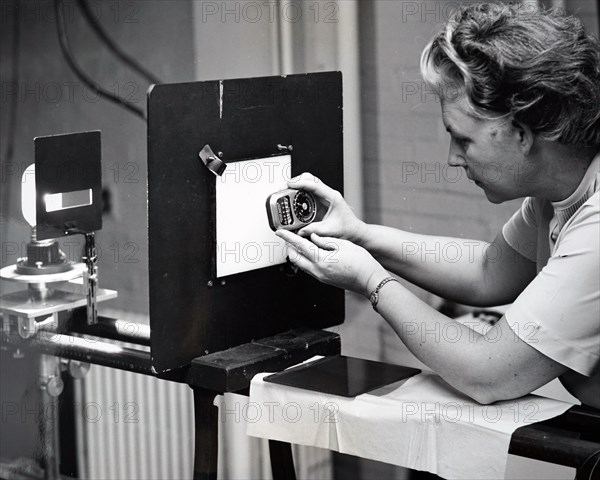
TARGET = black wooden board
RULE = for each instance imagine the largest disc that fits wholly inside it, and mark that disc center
(232, 370)
(191, 312)
(341, 375)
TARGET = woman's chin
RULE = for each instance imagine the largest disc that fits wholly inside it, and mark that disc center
(493, 197)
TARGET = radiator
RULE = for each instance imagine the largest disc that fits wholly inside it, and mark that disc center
(132, 426)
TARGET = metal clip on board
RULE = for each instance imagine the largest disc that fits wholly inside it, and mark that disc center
(213, 162)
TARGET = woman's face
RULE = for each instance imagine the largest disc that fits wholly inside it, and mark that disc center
(492, 152)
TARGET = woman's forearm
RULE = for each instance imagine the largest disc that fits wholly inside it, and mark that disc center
(449, 267)
(495, 366)
(444, 345)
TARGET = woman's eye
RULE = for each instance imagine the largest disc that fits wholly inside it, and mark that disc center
(462, 142)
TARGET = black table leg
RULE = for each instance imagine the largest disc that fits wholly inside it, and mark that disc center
(206, 419)
(282, 461)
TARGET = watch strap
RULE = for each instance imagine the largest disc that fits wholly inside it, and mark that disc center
(374, 296)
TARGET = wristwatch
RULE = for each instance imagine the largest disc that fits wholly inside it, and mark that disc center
(374, 297)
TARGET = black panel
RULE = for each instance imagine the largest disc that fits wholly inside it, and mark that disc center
(189, 318)
(68, 163)
(341, 375)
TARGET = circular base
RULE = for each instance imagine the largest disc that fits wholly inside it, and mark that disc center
(10, 273)
(24, 269)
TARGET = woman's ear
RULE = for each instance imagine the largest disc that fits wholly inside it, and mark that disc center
(524, 134)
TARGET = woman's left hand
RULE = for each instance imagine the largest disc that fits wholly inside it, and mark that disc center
(334, 261)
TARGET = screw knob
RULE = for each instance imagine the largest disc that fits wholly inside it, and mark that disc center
(54, 386)
(78, 369)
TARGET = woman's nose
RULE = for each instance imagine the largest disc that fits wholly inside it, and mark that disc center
(455, 156)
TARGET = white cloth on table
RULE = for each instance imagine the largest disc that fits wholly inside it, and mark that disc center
(421, 423)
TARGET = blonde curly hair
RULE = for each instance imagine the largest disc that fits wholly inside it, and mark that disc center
(537, 65)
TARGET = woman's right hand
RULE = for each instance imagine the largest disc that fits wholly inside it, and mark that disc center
(339, 220)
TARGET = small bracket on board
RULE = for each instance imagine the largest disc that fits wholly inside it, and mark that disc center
(212, 161)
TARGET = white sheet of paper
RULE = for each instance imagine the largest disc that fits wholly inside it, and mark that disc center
(244, 239)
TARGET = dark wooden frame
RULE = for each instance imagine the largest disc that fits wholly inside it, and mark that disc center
(193, 313)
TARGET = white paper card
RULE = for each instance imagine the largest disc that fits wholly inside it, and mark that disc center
(244, 239)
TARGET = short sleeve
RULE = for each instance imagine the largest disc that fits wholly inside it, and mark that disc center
(521, 230)
(558, 313)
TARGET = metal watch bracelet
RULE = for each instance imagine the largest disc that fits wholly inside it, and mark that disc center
(374, 296)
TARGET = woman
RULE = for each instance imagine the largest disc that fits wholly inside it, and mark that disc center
(520, 97)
